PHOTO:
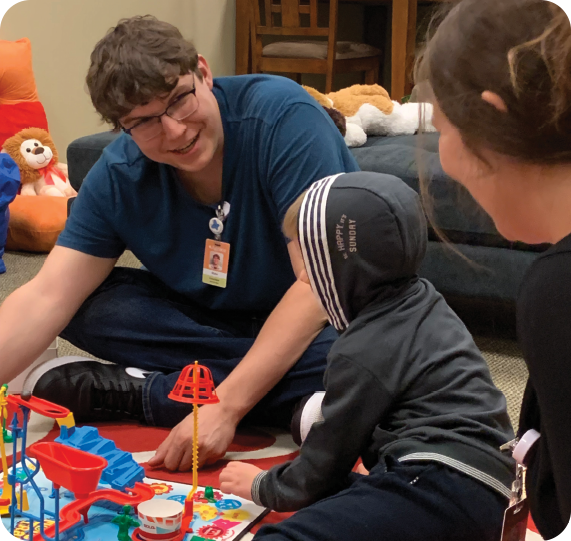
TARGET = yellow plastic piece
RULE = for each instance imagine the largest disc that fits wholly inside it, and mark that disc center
(68, 421)
(5, 509)
(194, 445)
(26, 507)
(7, 487)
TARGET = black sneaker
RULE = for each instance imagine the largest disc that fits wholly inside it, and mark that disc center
(91, 390)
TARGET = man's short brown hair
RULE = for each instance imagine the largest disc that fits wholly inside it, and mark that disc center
(139, 60)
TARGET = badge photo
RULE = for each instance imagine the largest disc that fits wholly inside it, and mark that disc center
(215, 267)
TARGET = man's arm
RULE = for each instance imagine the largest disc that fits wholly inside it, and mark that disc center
(32, 316)
(290, 329)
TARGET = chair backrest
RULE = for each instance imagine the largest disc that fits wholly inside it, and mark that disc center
(296, 18)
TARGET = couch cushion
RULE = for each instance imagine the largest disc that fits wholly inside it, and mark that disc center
(84, 152)
(476, 271)
(318, 49)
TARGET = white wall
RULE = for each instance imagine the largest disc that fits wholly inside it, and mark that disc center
(64, 32)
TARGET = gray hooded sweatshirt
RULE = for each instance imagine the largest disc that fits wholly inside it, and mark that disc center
(405, 378)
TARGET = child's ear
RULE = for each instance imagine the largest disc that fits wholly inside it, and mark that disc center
(296, 258)
(303, 277)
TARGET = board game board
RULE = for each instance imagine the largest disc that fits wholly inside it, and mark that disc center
(225, 517)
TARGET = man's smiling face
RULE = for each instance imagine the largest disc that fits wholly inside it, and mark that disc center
(188, 144)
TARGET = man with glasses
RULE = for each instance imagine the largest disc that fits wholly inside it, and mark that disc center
(149, 127)
(204, 165)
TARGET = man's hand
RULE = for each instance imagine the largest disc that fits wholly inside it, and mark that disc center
(216, 431)
(237, 479)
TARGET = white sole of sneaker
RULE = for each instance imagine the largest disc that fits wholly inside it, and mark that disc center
(137, 372)
(34, 376)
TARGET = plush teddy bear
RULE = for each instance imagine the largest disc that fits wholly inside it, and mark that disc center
(369, 110)
(40, 173)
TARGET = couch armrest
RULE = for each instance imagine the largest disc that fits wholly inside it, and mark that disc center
(84, 152)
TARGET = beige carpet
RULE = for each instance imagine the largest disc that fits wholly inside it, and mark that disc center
(503, 356)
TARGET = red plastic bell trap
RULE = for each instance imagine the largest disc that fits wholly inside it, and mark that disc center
(195, 386)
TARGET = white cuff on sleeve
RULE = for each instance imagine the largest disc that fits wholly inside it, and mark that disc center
(255, 491)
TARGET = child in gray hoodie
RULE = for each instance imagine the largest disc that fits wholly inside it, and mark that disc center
(407, 390)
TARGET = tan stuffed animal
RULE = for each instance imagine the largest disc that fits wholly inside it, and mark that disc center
(369, 110)
(40, 173)
(350, 100)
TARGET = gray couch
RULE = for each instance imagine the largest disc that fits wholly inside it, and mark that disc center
(486, 281)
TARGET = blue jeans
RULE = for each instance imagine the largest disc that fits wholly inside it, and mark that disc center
(399, 502)
(134, 319)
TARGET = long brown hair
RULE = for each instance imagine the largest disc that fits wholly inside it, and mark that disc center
(139, 60)
(519, 49)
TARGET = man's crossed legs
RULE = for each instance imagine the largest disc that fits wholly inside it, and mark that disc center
(134, 320)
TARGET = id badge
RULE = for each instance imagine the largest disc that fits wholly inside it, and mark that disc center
(515, 522)
(216, 258)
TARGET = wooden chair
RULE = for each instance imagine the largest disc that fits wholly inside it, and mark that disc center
(299, 18)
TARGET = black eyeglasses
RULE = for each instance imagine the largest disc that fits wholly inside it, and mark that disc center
(185, 105)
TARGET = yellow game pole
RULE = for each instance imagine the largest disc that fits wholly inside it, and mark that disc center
(195, 451)
(194, 438)
(7, 488)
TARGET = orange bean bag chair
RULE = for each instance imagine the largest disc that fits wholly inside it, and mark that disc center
(35, 221)
(20, 107)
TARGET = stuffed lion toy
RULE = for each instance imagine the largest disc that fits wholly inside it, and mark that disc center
(35, 153)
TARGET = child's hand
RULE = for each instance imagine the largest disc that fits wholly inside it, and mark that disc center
(237, 479)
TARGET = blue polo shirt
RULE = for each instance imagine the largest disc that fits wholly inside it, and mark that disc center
(277, 141)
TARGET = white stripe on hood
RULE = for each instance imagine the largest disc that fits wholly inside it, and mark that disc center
(315, 250)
